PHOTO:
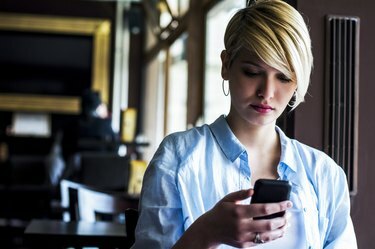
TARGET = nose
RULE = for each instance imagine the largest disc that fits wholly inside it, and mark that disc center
(266, 89)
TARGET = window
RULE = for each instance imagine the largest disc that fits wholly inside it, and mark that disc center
(215, 103)
(176, 87)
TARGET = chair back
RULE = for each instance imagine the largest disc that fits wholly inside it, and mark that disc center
(69, 199)
(95, 204)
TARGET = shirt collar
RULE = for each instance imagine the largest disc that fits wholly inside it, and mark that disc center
(228, 142)
(287, 157)
(289, 161)
(232, 147)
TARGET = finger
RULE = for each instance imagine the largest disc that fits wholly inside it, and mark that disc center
(271, 235)
(265, 225)
(238, 195)
(263, 209)
(249, 239)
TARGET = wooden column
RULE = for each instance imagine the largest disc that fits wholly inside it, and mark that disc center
(195, 56)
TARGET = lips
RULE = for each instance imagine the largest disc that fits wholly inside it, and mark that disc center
(262, 108)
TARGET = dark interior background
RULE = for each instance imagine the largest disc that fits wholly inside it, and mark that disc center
(309, 116)
(32, 72)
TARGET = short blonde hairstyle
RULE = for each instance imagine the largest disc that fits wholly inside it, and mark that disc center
(278, 34)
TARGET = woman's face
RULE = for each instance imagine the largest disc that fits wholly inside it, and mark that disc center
(259, 93)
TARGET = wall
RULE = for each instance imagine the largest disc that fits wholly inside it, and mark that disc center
(309, 117)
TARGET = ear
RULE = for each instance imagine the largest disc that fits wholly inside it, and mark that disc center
(224, 64)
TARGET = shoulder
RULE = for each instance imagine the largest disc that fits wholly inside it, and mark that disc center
(299, 154)
(175, 153)
(181, 144)
(189, 138)
(319, 166)
(315, 163)
(311, 154)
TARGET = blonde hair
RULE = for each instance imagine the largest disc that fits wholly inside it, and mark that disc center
(277, 33)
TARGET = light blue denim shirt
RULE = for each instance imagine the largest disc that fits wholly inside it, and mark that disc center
(192, 170)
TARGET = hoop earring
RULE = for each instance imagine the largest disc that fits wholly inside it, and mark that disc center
(222, 86)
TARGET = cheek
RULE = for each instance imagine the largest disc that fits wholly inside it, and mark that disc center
(286, 95)
(242, 87)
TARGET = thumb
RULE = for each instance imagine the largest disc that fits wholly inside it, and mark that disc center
(238, 195)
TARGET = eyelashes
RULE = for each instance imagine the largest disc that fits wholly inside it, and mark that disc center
(285, 79)
(253, 74)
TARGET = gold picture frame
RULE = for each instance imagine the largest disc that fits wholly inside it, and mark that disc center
(98, 29)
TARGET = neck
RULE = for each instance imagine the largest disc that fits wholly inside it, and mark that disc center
(254, 137)
(262, 145)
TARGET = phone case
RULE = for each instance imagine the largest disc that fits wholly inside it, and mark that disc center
(269, 191)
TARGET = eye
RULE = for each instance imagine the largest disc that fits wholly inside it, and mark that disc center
(251, 73)
(284, 79)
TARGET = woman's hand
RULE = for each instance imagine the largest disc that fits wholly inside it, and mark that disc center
(231, 223)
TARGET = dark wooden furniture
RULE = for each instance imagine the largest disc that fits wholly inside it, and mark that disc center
(79, 201)
(69, 199)
(60, 234)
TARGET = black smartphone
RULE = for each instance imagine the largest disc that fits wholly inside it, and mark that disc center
(269, 191)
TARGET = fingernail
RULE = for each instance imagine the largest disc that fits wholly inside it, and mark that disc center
(289, 204)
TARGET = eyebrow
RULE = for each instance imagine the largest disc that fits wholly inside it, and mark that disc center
(252, 63)
(261, 67)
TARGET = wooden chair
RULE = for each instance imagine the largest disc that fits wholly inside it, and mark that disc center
(95, 205)
(81, 202)
(102, 171)
(69, 199)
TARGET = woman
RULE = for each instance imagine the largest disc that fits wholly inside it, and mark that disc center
(197, 187)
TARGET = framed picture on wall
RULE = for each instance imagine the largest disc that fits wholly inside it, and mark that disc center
(47, 61)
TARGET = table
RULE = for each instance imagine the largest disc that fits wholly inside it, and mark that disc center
(59, 234)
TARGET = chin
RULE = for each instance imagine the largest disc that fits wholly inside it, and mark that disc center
(261, 121)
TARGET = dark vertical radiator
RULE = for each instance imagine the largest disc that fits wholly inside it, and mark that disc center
(341, 98)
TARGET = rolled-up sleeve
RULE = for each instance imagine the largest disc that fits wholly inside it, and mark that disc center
(160, 223)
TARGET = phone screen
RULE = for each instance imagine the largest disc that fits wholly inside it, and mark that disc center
(270, 191)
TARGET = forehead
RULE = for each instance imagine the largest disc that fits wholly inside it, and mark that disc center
(244, 54)
(248, 57)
